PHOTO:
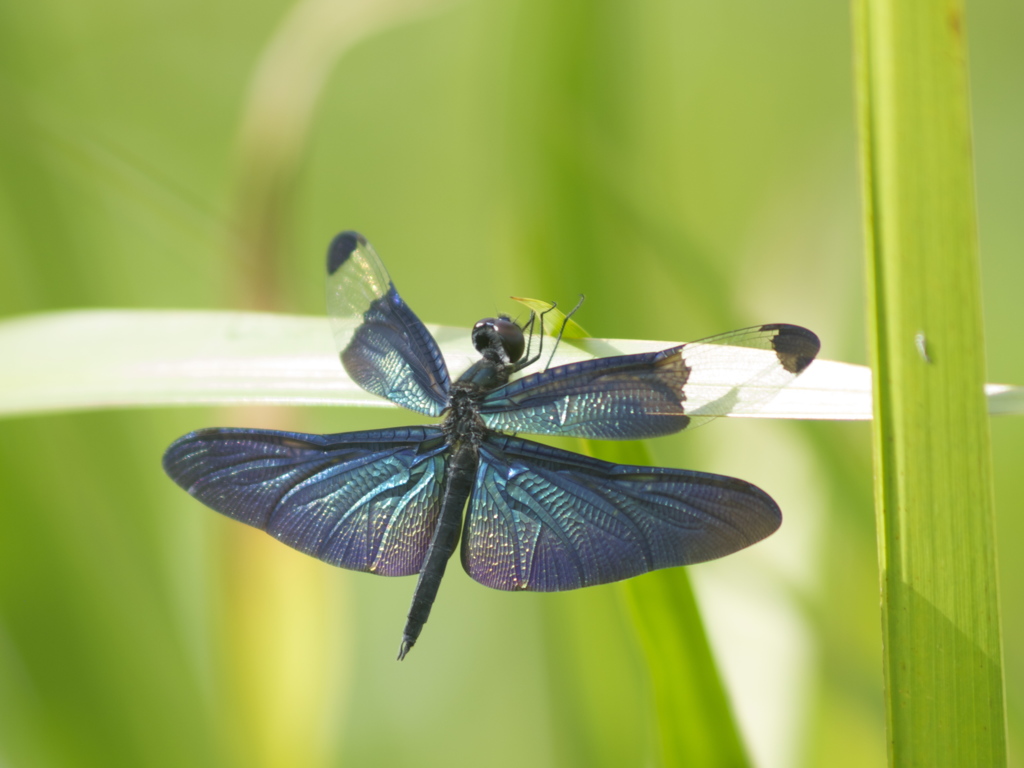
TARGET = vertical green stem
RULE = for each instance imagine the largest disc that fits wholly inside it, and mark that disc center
(695, 722)
(940, 614)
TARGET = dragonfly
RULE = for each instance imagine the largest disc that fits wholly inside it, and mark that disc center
(397, 502)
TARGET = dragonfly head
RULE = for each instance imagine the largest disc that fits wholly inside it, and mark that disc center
(500, 337)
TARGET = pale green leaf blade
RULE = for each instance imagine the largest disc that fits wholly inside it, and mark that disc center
(89, 359)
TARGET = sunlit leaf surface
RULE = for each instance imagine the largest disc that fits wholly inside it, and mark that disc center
(555, 321)
(120, 358)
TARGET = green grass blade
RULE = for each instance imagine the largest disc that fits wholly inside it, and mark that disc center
(940, 613)
(696, 725)
(114, 358)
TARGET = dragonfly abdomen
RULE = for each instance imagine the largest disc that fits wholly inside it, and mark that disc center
(458, 483)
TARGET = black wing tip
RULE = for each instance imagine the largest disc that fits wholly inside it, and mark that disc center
(772, 517)
(795, 346)
(761, 516)
(175, 459)
(341, 248)
(171, 461)
(182, 448)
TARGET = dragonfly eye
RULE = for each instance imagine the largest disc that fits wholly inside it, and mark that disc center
(499, 330)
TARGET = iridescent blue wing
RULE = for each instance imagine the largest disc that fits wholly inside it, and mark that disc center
(362, 500)
(384, 347)
(636, 396)
(548, 520)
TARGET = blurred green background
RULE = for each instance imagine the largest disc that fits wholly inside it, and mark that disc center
(689, 166)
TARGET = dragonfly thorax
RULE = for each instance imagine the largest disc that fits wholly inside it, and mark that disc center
(462, 416)
(462, 419)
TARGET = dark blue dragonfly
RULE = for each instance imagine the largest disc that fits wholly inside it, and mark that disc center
(394, 501)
